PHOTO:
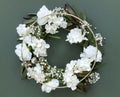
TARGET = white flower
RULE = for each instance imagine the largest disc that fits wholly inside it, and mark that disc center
(90, 52)
(93, 77)
(23, 52)
(55, 22)
(42, 15)
(76, 36)
(49, 86)
(70, 80)
(38, 45)
(22, 30)
(67, 75)
(28, 39)
(52, 18)
(40, 48)
(75, 66)
(36, 73)
(82, 65)
(52, 29)
(99, 38)
(58, 9)
(32, 41)
(71, 65)
(60, 22)
(78, 66)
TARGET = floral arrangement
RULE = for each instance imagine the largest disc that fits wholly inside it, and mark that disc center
(32, 49)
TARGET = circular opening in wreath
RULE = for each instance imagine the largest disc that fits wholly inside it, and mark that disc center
(61, 52)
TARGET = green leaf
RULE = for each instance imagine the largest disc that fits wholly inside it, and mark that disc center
(72, 11)
(23, 72)
(53, 36)
(30, 48)
(73, 22)
(32, 14)
(69, 9)
(30, 21)
(30, 18)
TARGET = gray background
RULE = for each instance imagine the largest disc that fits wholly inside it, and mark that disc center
(104, 14)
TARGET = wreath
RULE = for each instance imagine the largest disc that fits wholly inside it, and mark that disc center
(32, 49)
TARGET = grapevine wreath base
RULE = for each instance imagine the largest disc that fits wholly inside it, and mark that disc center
(32, 49)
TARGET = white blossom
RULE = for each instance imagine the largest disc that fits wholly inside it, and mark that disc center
(71, 65)
(75, 66)
(78, 66)
(99, 38)
(23, 52)
(70, 79)
(57, 9)
(42, 15)
(82, 65)
(55, 22)
(52, 29)
(28, 39)
(49, 86)
(36, 73)
(22, 30)
(92, 53)
(38, 45)
(93, 77)
(40, 48)
(60, 22)
(76, 36)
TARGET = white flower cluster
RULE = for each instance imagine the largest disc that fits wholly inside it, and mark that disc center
(37, 73)
(70, 80)
(72, 68)
(42, 15)
(39, 46)
(76, 36)
(99, 38)
(49, 86)
(53, 21)
(22, 30)
(89, 55)
(23, 52)
(93, 77)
